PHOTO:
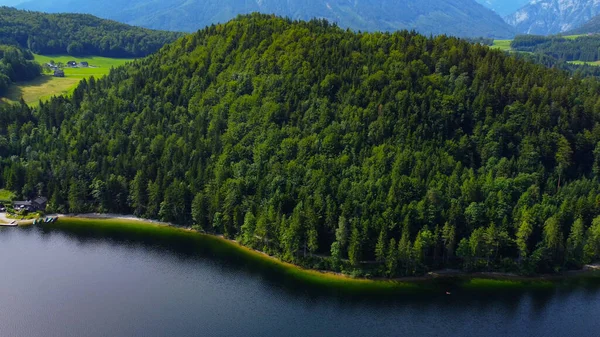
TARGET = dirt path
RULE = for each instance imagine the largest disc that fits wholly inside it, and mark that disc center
(6, 220)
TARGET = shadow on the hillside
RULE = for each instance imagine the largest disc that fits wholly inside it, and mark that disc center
(18, 90)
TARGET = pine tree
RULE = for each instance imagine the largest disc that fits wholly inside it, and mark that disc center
(575, 242)
(380, 248)
(391, 258)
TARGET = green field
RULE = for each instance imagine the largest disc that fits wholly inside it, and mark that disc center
(596, 63)
(573, 37)
(46, 86)
(505, 44)
(502, 45)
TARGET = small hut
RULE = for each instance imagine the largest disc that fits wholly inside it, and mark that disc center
(59, 73)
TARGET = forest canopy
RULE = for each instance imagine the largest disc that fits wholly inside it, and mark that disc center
(78, 34)
(374, 153)
(16, 64)
(581, 48)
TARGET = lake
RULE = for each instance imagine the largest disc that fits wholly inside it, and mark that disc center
(73, 282)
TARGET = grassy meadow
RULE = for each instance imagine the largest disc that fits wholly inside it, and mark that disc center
(573, 37)
(46, 86)
(596, 63)
(503, 45)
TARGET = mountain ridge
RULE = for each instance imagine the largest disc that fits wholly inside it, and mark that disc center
(590, 27)
(547, 17)
(503, 7)
(464, 18)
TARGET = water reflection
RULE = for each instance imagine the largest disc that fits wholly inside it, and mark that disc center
(226, 261)
(84, 281)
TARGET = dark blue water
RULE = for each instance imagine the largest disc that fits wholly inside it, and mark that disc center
(65, 285)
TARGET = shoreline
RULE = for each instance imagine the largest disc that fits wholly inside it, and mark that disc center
(6, 220)
(588, 270)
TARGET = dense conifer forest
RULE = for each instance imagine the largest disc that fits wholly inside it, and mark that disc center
(78, 34)
(575, 69)
(385, 154)
(544, 56)
(16, 64)
(582, 48)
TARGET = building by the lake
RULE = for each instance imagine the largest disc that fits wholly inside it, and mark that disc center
(37, 204)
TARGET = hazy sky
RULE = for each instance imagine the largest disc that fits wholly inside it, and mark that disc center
(10, 2)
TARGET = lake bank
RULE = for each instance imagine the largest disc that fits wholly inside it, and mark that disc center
(114, 223)
(4, 219)
(104, 280)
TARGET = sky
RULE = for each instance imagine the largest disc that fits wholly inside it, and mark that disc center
(10, 2)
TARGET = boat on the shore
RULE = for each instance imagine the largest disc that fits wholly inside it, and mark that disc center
(12, 224)
(49, 219)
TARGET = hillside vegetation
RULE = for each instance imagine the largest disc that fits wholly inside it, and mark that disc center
(16, 64)
(559, 52)
(565, 48)
(386, 154)
(77, 34)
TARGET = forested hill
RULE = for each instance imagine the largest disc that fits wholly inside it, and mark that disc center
(306, 140)
(78, 34)
(581, 48)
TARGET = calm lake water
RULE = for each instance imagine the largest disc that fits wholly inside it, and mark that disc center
(71, 284)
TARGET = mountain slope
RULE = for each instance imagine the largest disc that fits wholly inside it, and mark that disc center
(78, 34)
(305, 140)
(544, 17)
(503, 7)
(454, 17)
(590, 27)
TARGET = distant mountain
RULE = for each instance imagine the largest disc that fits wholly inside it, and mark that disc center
(78, 34)
(454, 17)
(592, 26)
(544, 17)
(503, 7)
